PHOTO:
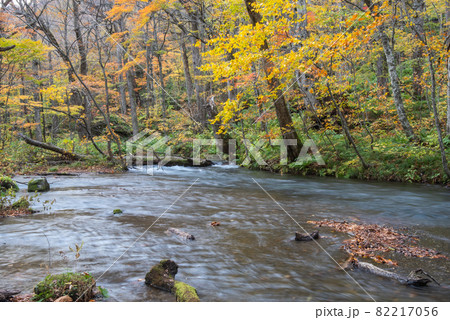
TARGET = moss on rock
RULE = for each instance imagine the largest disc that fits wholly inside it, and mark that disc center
(38, 185)
(78, 286)
(162, 275)
(184, 292)
(7, 183)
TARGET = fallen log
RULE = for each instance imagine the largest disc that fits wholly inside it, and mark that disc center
(3, 49)
(417, 278)
(162, 276)
(6, 295)
(307, 237)
(181, 234)
(53, 148)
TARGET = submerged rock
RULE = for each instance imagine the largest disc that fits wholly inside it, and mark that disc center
(38, 185)
(307, 237)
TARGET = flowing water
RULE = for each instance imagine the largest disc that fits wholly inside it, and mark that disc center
(251, 256)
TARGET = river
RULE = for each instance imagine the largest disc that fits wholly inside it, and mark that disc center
(251, 256)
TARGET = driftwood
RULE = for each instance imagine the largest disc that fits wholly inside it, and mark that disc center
(418, 278)
(6, 295)
(307, 237)
(162, 276)
(180, 233)
(50, 147)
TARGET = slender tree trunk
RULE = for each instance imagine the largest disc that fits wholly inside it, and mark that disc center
(197, 62)
(37, 98)
(395, 83)
(382, 76)
(133, 104)
(150, 103)
(106, 86)
(305, 83)
(283, 115)
(157, 53)
(83, 62)
(121, 85)
(418, 7)
(187, 72)
(79, 37)
(346, 129)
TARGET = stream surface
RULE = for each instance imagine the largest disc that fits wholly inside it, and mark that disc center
(251, 256)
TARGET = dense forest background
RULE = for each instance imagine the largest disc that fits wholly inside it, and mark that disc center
(368, 82)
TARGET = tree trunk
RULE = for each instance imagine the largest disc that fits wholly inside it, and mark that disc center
(187, 72)
(382, 76)
(51, 147)
(395, 83)
(197, 63)
(150, 105)
(121, 85)
(79, 37)
(37, 98)
(418, 6)
(133, 104)
(283, 115)
(157, 53)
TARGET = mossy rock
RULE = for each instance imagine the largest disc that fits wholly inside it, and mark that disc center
(22, 203)
(184, 292)
(120, 125)
(162, 276)
(117, 211)
(38, 185)
(75, 285)
(7, 183)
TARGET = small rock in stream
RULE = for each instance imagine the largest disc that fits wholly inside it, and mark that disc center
(307, 237)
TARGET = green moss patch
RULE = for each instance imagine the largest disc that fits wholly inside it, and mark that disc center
(78, 286)
(7, 183)
(185, 292)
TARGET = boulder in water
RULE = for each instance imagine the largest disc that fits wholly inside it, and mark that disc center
(307, 237)
(38, 185)
(7, 183)
(162, 276)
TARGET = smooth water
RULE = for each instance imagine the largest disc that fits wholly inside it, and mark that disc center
(250, 257)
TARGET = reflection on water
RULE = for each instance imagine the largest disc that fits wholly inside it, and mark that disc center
(250, 257)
